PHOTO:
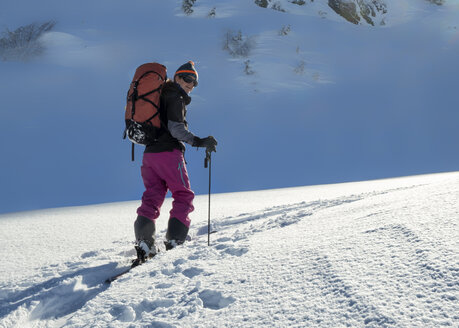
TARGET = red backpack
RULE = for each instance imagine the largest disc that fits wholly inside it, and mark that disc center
(143, 124)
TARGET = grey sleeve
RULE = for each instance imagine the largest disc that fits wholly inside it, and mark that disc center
(180, 132)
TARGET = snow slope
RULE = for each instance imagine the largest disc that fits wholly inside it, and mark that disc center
(356, 102)
(368, 254)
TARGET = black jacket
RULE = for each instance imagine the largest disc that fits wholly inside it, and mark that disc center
(172, 111)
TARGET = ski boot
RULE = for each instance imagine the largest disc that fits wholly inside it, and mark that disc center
(176, 233)
(144, 229)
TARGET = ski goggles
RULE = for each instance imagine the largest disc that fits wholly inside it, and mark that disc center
(189, 79)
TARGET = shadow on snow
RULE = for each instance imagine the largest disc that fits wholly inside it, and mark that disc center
(60, 296)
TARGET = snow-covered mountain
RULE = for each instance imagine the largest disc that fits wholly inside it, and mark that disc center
(359, 12)
(378, 13)
(368, 254)
(370, 12)
(299, 92)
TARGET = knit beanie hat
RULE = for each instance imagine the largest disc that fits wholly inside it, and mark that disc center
(187, 69)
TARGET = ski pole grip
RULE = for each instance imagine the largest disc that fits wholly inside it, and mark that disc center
(207, 159)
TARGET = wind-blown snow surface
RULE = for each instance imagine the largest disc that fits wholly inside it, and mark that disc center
(376, 254)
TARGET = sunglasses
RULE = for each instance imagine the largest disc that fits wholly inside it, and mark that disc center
(189, 79)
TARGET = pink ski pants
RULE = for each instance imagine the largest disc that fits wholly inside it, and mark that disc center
(162, 172)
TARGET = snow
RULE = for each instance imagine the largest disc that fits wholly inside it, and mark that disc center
(380, 253)
(356, 102)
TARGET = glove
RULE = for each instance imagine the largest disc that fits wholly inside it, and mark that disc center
(208, 142)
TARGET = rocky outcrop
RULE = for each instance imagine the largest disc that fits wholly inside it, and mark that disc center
(273, 4)
(370, 12)
(437, 2)
(347, 10)
(262, 3)
(355, 11)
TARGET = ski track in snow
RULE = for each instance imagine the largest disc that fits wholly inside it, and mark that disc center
(316, 284)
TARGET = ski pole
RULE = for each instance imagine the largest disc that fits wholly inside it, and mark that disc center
(208, 163)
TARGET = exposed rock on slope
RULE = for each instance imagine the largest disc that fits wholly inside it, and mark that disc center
(356, 10)
(371, 12)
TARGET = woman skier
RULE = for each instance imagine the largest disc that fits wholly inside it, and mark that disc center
(163, 167)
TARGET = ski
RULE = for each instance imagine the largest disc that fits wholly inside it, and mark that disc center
(135, 263)
(141, 258)
(111, 279)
